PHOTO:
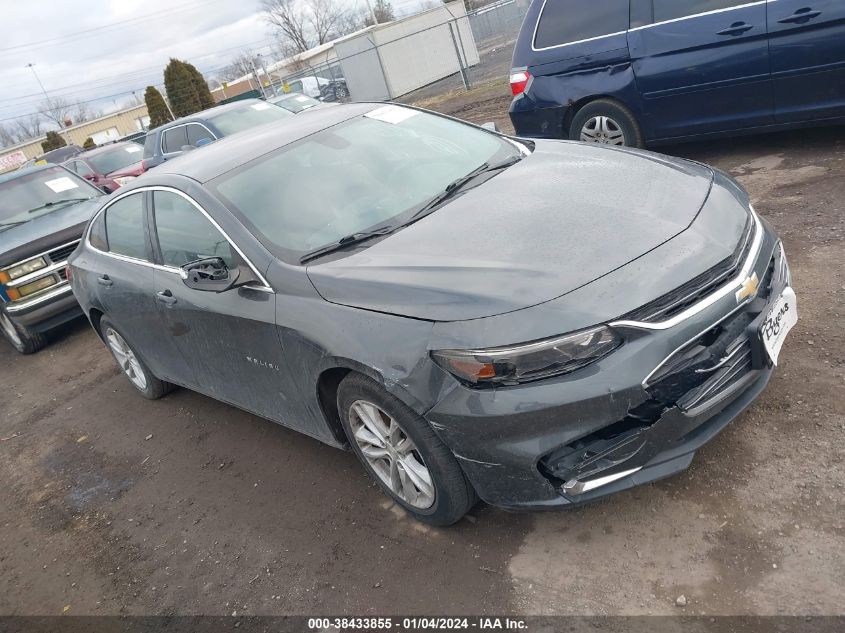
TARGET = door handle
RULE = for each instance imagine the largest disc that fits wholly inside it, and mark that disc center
(737, 28)
(105, 281)
(166, 297)
(800, 16)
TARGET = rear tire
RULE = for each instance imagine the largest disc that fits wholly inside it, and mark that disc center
(22, 338)
(131, 365)
(606, 122)
(402, 448)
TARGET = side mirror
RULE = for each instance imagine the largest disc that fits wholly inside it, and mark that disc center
(490, 125)
(204, 141)
(89, 177)
(186, 148)
(209, 274)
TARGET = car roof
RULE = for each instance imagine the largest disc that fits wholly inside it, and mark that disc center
(204, 115)
(102, 149)
(26, 171)
(221, 156)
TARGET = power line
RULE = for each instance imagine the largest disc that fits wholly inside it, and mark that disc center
(119, 24)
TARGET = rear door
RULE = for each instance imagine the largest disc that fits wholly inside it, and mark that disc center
(807, 44)
(229, 338)
(702, 66)
(125, 280)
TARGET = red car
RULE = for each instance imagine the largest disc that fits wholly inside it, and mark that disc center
(110, 166)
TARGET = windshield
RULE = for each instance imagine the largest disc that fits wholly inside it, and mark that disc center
(119, 157)
(365, 173)
(247, 116)
(32, 195)
(295, 102)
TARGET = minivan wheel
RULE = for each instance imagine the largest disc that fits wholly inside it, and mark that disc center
(23, 339)
(402, 453)
(131, 364)
(606, 122)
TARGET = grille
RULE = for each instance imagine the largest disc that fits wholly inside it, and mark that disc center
(698, 288)
(62, 253)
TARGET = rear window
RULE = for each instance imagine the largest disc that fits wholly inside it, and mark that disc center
(247, 116)
(118, 158)
(566, 21)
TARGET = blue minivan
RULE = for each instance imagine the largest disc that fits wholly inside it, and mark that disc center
(637, 72)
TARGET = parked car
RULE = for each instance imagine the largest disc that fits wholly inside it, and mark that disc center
(54, 157)
(590, 342)
(320, 88)
(295, 102)
(110, 166)
(171, 139)
(43, 211)
(637, 72)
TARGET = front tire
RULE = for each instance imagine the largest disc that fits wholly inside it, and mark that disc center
(608, 123)
(402, 453)
(22, 338)
(130, 363)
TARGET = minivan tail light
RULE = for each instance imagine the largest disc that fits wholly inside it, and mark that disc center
(519, 81)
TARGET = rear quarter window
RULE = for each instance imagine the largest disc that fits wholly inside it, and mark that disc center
(568, 21)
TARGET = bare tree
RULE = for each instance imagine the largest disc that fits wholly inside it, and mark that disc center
(8, 135)
(241, 64)
(29, 126)
(301, 24)
(56, 110)
(82, 112)
(288, 19)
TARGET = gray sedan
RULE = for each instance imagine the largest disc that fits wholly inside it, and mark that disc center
(535, 323)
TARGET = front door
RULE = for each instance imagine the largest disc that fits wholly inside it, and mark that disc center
(807, 44)
(703, 66)
(229, 338)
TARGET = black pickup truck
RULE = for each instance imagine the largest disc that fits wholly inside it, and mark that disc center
(43, 211)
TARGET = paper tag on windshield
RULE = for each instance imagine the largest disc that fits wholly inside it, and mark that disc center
(132, 149)
(391, 114)
(260, 106)
(61, 184)
(302, 98)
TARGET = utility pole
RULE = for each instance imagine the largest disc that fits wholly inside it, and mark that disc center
(264, 69)
(372, 13)
(31, 66)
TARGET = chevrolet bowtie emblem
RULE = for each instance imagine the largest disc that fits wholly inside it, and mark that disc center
(748, 289)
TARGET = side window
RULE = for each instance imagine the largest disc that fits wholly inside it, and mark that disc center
(673, 9)
(197, 132)
(150, 145)
(97, 235)
(295, 86)
(72, 166)
(565, 21)
(173, 139)
(185, 234)
(641, 13)
(125, 227)
(82, 169)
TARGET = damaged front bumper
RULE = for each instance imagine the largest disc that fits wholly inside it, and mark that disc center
(634, 417)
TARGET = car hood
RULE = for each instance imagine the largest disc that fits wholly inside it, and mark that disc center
(564, 216)
(46, 231)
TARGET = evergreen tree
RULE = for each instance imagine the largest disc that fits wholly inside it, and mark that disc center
(181, 88)
(206, 100)
(89, 143)
(53, 141)
(156, 107)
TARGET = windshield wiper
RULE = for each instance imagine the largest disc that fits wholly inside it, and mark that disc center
(456, 185)
(8, 225)
(47, 205)
(348, 240)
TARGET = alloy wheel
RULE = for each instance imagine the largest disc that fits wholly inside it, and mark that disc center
(604, 130)
(9, 330)
(126, 359)
(392, 454)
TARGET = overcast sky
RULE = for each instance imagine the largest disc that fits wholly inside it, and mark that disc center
(103, 49)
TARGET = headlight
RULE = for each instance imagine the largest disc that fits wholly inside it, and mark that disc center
(531, 361)
(124, 180)
(35, 286)
(22, 269)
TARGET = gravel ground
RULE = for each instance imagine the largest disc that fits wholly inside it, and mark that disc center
(115, 505)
